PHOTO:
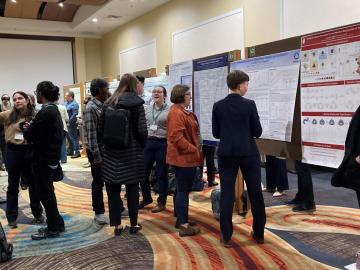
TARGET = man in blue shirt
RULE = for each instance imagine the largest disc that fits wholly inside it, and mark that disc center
(72, 108)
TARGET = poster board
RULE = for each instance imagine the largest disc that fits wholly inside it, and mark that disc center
(292, 149)
(209, 86)
(273, 85)
(330, 92)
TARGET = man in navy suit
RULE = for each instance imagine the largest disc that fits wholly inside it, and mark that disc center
(235, 121)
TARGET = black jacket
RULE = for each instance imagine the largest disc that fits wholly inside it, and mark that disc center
(125, 166)
(235, 121)
(46, 132)
(348, 173)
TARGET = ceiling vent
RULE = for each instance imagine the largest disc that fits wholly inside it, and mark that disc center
(114, 17)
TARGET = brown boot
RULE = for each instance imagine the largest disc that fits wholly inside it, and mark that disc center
(158, 208)
(188, 231)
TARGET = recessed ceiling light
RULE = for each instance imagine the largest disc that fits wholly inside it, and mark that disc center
(61, 4)
(13, 1)
(94, 20)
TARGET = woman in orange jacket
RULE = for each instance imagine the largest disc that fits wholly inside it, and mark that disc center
(184, 153)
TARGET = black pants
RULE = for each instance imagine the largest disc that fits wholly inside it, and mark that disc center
(96, 186)
(276, 173)
(305, 185)
(45, 186)
(358, 196)
(209, 153)
(228, 169)
(17, 165)
(155, 151)
(3, 149)
(116, 204)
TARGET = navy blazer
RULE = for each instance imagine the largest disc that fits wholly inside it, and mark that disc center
(235, 121)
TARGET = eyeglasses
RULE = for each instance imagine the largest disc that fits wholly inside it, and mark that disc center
(157, 91)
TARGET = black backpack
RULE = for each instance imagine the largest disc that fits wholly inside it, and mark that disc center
(117, 128)
(6, 249)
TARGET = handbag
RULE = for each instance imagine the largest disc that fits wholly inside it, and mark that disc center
(57, 174)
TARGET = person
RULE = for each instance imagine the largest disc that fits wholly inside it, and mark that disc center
(183, 152)
(72, 108)
(304, 198)
(16, 162)
(4, 106)
(65, 119)
(276, 176)
(140, 90)
(86, 101)
(99, 90)
(124, 166)
(155, 150)
(348, 173)
(209, 154)
(46, 132)
(235, 121)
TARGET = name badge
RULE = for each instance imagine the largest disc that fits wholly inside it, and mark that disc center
(19, 136)
(153, 127)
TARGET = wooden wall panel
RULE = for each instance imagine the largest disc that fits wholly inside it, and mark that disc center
(53, 12)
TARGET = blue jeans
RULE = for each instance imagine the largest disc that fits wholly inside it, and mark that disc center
(63, 152)
(155, 151)
(184, 178)
(73, 139)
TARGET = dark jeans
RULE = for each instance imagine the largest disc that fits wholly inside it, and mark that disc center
(358, 196)
(63, 152)
(209, 153)
(184, 178)
(3, 149)
(305, 185)
(73, 138)
(17, 165)
(276, 173)
(155, 151)
(250, 168)
(116, 204)
(96, 186)
(45, 186)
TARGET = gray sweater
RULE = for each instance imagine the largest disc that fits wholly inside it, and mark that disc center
(158, 118)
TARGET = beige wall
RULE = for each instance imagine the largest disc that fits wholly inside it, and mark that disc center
(262, 20)
(87, 59)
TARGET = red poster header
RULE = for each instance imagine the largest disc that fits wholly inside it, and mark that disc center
(328, 114)
(324, 145)
(328, 38)
(323, 84)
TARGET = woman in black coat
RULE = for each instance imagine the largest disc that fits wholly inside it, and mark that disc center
(348, 173)
(123, 166)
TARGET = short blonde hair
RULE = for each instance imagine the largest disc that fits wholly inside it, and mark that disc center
(178, 93)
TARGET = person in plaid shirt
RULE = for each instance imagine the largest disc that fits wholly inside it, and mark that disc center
(99, 91)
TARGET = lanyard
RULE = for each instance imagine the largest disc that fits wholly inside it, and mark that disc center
(155, 117)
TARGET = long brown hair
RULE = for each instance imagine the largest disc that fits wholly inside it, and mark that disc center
(127, 83)
(15, 113)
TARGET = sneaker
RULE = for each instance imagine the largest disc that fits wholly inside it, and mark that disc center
(76, 156)
(188, 231)
(305, 208)
(158, 208)
(86, 165)
(135, 229)
(278, 193)
(100, 219)
(44, 233)
(191, 223)
(12, 224)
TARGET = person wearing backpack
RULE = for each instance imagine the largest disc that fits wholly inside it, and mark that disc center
(155, 150)
(122, 135)
(99, 89)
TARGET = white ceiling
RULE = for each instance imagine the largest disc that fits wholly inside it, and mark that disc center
(82, 25)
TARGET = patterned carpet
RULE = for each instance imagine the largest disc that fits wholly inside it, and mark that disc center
(326, 239)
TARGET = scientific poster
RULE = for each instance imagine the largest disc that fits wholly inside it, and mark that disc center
(209, 86)
(330, 92)
(180, 73)
(113, 85)
(273, 84)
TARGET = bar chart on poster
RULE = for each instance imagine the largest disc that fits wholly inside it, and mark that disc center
(273, 84)
(330, 92)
